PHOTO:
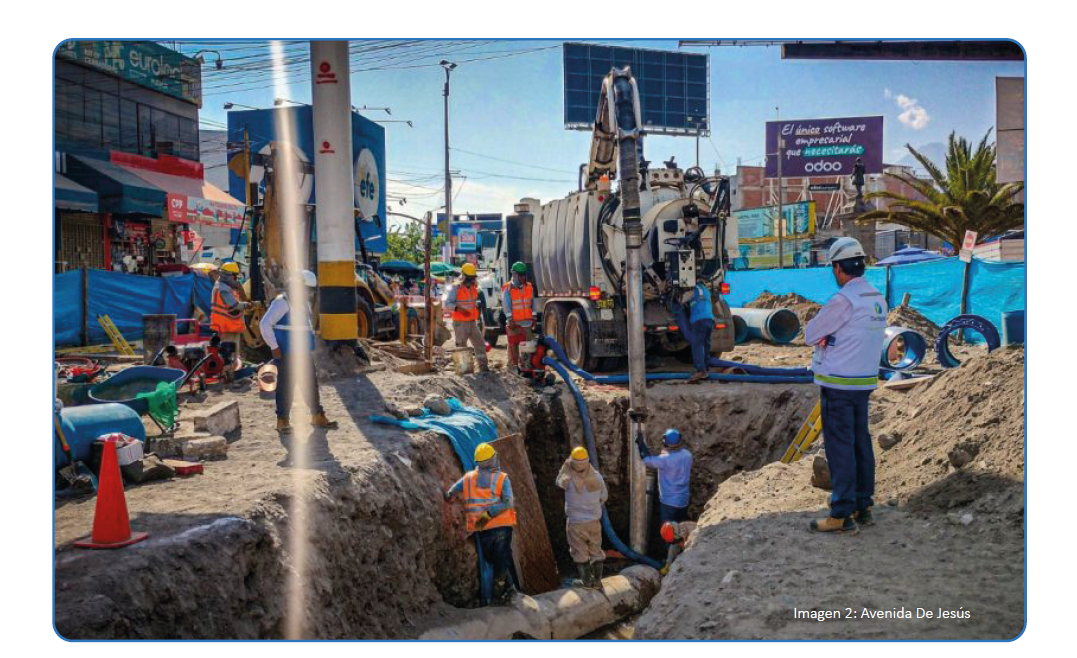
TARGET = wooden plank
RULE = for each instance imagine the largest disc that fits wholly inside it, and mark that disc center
(902, 384)
(531, 543)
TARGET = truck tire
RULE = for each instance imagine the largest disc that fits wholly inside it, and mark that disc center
(577, 341)
(365, 316)
(553, 322)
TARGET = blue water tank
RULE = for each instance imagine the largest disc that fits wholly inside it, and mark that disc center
(82, 425)
(1013, 327)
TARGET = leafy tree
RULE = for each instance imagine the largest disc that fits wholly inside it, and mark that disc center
(963, 197)
(408, 244)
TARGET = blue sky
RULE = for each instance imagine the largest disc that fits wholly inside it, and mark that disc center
(508, 106)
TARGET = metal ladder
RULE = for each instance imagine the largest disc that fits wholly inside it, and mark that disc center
(806, 436)
(118, 341)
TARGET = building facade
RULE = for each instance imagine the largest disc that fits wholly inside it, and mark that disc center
(129, 193)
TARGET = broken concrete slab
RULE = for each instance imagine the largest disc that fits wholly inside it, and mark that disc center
(205, 449)
(221, 418)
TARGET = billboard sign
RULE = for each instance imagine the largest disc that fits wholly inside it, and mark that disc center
(144, 63)
(758, 225)
(674, 87)
(368, 156)
(825, 147)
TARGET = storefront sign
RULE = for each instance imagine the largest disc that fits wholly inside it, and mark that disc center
(467, 240)
(196, 210)
(825, 147)
(142, 62)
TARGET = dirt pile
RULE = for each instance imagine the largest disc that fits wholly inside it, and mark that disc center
(910, 318)
(949, 531)
(804, 308)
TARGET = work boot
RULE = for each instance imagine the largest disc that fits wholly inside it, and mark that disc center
(319, 420)
(697, 377)
(864, 517)
(596, 574)
(283, 427)
(831, 524)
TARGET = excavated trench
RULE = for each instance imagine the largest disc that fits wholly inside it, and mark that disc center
(387, 558)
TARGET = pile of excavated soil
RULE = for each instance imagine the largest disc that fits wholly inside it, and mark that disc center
(804, 308)
(910, 318)
(949, 533)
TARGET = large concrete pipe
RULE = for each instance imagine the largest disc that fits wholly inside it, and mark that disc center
(335, 189)
(563, 614)
(903, 354)
(740, 330)
(777, 325)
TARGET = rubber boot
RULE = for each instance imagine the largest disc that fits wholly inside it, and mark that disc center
(283, 426)
(596, 574)
(584, 570)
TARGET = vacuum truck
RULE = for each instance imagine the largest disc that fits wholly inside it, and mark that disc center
(575, 251)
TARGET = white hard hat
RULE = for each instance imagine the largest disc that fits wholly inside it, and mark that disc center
(308, 278)
(845, 248)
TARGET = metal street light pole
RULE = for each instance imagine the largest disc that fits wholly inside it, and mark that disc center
(781, 143)
(448, 66)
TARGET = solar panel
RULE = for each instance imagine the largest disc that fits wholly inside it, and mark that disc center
(674, 87)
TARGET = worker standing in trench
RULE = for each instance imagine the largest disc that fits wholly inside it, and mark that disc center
(516, 300)
(585, 494)
(278, 335)
(463, 301)
(848, 334)
(226, 313)
(490, 516)
(674, 466)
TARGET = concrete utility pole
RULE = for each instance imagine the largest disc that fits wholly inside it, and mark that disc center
(335, 193)
(448, 66)
(781, 143)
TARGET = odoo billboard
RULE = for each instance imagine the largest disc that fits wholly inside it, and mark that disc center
(825, 147)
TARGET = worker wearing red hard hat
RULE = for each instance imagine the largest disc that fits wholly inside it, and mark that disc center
(675, 534)
(585, 494)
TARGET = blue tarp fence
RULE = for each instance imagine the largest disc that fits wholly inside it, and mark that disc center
(125, 298)
(934, 286)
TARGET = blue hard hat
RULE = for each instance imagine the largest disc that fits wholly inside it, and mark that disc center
(672, 437)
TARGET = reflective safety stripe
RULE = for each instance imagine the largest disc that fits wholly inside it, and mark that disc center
(848, 381)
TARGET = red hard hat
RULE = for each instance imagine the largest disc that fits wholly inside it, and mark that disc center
(668, 533)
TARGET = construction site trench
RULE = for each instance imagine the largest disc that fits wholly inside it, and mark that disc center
(384, 556)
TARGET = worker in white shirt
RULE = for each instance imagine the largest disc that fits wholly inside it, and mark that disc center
(847, 335)
(286, 342)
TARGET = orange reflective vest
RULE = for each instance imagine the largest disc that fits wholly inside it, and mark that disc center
(224, 319)
(477, 500)
(467, 304)
(521, 301)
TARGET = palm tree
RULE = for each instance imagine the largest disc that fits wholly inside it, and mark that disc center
(964, 197)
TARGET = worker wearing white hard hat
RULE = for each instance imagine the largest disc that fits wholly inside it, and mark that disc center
(463, 300)
(290, 335)
(847, 334)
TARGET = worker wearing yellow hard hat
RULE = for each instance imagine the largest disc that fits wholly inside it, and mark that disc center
(585, 494)
(490, 516)
(226, 314)
(463, 300)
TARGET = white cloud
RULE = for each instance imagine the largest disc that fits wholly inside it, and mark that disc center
(912, 114)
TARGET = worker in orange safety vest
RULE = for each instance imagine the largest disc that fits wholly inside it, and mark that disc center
(516, 300)
(490, 516)
(463, 301)
(226, 313)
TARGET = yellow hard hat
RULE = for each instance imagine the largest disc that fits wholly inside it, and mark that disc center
(484, 451)
(579, 453)
(231, 267)
(468, 269)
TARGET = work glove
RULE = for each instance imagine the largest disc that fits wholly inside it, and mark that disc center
(481, 522)
(664, 570)
(643, 451)
(447, 495)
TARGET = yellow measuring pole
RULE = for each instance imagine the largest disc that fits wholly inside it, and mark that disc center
(809, 431)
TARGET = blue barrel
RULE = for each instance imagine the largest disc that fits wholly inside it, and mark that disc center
(82, 425)
(1013, 327)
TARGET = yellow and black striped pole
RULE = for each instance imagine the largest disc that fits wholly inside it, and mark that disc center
(334, 190)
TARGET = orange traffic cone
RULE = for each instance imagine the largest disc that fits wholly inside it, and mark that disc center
(111, 526)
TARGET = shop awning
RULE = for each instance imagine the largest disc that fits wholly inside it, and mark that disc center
(69, 195)
(193, 200)
(118, 190)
